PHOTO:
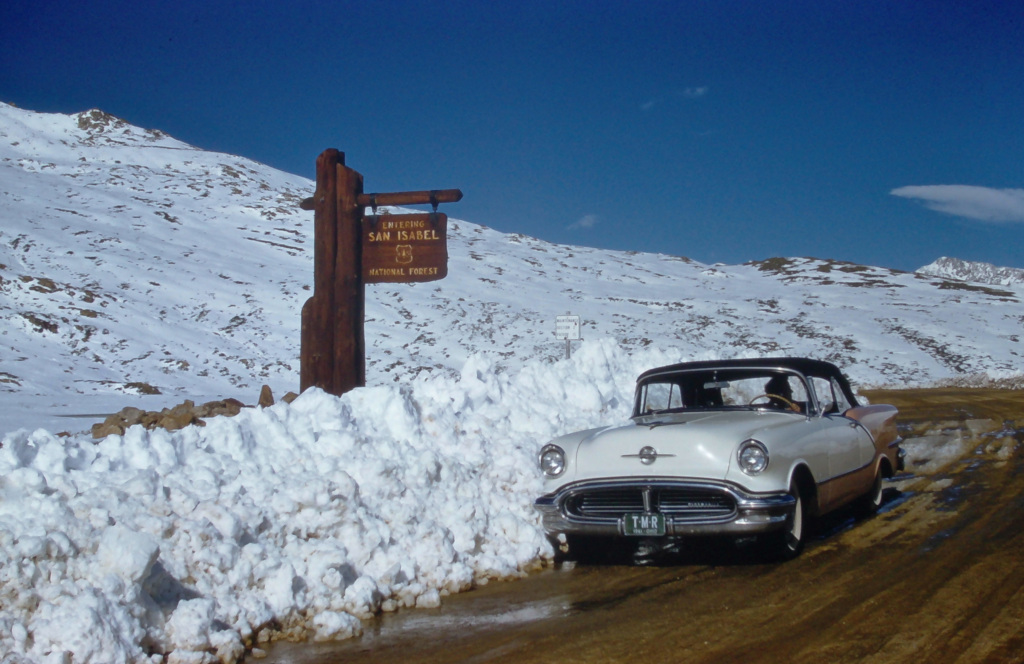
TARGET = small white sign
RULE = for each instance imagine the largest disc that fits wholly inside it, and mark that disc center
(567, 327)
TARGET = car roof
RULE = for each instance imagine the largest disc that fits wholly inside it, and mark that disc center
(806, 366)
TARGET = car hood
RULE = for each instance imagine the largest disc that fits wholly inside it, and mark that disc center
(701, 445)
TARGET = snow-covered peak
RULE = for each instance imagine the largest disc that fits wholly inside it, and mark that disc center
(982, 273)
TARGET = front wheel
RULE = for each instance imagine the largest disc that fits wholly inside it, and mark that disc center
(787, 543)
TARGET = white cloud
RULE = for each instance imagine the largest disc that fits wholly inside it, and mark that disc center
(648, 105)
(964, 200)
(586, 222)
(694, 93)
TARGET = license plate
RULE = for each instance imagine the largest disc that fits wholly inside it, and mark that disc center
(644, 525)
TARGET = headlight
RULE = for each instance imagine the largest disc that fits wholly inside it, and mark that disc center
(552, 460)
(753, 457)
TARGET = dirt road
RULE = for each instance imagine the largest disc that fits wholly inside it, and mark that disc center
(936, 576)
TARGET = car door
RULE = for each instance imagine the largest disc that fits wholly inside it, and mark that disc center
(846, 440)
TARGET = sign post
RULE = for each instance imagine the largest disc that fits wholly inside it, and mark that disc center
(567, 327)
(352, 250)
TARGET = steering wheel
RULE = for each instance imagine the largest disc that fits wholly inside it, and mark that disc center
(792, 406)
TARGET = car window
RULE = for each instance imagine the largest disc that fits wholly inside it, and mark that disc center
(661, 396)
(823, 392)
(742, 392)
(842, 403)
(744, 388)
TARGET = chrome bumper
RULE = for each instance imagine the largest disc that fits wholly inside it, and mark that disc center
(753, 513)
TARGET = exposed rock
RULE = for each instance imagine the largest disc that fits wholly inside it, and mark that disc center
(143, 388)
(266, 397)
(178, 417)
(109, 427)
(184, 414)
(229, 407)
(131, 415)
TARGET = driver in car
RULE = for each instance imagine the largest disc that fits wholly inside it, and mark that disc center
(780, 394)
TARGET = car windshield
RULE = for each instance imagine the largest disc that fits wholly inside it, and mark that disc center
(710, 389)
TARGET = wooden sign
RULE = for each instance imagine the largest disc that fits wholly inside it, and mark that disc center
(404, 248)
(351, 250)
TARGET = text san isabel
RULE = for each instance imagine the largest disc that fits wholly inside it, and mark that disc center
(403, 231)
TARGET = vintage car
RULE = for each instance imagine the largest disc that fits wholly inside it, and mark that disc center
(741, 448)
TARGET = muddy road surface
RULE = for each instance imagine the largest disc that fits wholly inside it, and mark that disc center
(936, 576)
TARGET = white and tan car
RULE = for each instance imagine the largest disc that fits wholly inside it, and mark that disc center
(733, 447)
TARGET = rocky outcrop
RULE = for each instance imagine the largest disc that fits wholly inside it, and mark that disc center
(180, 416)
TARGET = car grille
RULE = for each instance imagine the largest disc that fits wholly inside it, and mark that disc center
(679, 503)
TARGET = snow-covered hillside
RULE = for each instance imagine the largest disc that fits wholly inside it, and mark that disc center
(135, 267)
(131, 262)
(983, 273)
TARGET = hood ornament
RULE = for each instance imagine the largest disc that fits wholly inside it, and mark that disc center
(647, 455)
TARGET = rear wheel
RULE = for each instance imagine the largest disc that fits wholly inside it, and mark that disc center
(869, 503)
(787, 543)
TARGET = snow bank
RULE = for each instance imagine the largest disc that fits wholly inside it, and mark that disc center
(301, 518)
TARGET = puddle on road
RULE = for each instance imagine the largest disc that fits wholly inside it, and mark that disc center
(496, 608)
(455, 614)
(938, 539)
(422, 621)
(483, 609)
(897, 498)
(829, 526)
(950, 498)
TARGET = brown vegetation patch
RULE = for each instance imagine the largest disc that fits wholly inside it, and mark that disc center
(40, 324)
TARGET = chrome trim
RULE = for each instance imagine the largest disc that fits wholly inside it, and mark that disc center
(753, 512)
(647, 455)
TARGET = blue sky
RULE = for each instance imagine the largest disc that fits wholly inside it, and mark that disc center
(885, 133)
